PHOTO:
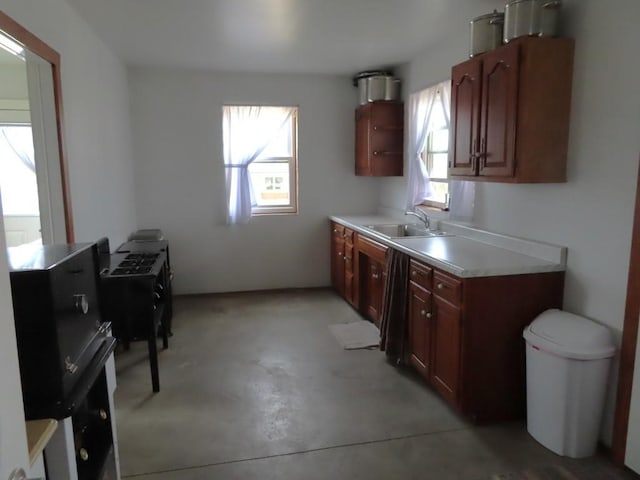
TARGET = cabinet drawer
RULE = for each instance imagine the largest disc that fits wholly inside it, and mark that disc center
(447, 287)
(372, 249)
(420, 274)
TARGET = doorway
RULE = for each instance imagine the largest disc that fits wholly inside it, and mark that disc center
(31, 184)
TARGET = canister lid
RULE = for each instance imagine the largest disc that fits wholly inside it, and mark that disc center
(570, 336)
(488, 16)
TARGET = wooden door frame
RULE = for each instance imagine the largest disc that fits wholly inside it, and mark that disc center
(629, 343)
(40, 48)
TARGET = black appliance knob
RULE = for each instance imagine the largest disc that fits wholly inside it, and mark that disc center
(81, 303)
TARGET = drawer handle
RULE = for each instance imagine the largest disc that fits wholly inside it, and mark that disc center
(375, 275)
(440, 286)
(69, 366)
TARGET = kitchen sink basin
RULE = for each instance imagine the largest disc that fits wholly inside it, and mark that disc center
(399, 230)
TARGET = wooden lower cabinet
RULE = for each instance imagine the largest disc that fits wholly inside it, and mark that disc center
(372, 261)
(344, 263)
(465, 336)
(337, 258)
(445, 358)
(419, 311)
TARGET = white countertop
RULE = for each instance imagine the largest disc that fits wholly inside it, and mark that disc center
(464, 255)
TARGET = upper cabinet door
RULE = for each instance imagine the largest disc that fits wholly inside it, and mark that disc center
(499, 112)
(522, 93)
(465, 115)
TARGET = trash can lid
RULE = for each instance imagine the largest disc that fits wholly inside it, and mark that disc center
(570, 336)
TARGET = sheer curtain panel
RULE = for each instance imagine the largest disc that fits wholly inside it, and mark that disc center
(421, 105)
(246, 132)
(20, 141)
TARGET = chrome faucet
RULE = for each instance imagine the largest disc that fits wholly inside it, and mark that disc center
(421, 215)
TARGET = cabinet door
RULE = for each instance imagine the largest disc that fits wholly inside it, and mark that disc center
(445, 366)
(419, 328)
(499, 112)
(465, 115)
(363, 119)
(337, 261)
(375, 288)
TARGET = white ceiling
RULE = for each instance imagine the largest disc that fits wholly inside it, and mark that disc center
(284, 36)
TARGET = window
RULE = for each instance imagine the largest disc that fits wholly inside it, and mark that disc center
(435, 157)
(260, 156)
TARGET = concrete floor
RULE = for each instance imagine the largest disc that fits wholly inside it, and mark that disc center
(255, 386)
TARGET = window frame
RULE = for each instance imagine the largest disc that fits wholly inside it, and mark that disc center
(292, 207)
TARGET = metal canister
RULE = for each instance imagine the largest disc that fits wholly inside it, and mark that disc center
(539, 18)
(485, 33)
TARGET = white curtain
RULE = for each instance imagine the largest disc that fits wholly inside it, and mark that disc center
(421, 105)
(20, 142)
(246, 131)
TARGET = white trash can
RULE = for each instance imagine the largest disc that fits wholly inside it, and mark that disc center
(568, 362)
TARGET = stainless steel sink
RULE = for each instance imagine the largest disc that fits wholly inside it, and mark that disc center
(399, 230)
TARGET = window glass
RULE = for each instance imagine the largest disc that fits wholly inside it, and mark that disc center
(436, 157)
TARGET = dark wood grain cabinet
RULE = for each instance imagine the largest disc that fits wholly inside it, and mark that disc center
(372, 260)
(380, 139)
(419, 313)
(510, 111)
(344, 263)
(465, 335)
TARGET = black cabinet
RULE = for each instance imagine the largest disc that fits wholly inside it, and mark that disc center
(59, 331)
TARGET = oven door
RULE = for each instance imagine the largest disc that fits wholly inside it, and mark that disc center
(77, 314)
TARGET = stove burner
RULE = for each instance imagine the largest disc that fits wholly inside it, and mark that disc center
(142, 256)
(131, 270)
(136, 264)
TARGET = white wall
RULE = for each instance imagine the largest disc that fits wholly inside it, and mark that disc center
(592, 213)
(96, 118)
(177, 125)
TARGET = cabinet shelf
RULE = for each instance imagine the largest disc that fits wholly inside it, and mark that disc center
(380, 139)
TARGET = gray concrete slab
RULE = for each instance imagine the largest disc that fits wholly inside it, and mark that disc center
(255, 386)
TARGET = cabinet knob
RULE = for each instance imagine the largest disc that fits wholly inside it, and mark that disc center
(80, 303)
(375, 275)
(429, 315)
(84, 455)
(440, 286)
(413, 273)
(103, 414)
(423, 312)
(335, 230)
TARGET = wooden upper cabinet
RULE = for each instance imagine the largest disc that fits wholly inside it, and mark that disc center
(380, 139)
(496, 155)
(510, 111)
(465, 115)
